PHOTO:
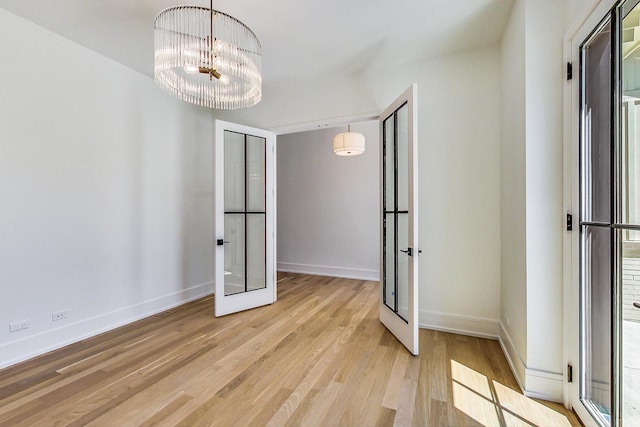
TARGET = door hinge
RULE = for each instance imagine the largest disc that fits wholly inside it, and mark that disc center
(569, 71)
(569, 373)
(569, 222)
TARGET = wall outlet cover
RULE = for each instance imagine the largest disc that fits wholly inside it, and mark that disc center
(59, 315)
(18, 326)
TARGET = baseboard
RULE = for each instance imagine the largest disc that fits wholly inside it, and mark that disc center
(323, 270)
(458, 324)
(26, 348)
(544, 385)
(516, 363)
(533, 383)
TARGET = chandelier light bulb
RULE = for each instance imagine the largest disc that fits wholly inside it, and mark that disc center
(191, 69)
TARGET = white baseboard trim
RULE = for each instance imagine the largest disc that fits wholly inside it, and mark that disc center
(534, 383)
(34, 345)
(516, 363)
(323, 270)
(458, 324)
(544, 385)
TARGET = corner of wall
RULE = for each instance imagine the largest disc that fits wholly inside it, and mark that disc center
(534, 383)
(516, 363)
(457, 324)
(330, 271)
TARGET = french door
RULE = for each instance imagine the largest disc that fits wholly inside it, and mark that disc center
(399, 222)
(608, 312)
(244, 218)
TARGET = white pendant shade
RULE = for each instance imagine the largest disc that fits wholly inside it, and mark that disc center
(348, 144)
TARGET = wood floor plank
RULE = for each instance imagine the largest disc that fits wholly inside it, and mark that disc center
(318, 356)
(390, 399)
(407, 394)
(160, 415)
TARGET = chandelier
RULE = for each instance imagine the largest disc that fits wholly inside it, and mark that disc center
(207, 58)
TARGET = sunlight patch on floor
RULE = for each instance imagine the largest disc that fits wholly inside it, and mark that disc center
(489, 402)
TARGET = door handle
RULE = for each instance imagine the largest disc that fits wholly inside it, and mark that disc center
(409, 251)
(636, 304)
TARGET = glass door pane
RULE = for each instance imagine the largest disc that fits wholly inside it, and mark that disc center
(597, 273)
(256, 168)
(402, 141)
(390, 244)
(256, 252)
(597, 107)
(234, 171)
(234, 268)
(631, 336)
(396, 212)
(402, 266)
(388, 283)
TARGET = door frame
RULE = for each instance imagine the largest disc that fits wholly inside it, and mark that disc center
(228, 304)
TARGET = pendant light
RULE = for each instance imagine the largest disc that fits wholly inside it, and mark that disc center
(348, 143)
(207, 57)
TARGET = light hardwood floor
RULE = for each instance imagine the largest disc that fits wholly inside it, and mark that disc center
(317, 357)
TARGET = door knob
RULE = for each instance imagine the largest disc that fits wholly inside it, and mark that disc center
(409, 251)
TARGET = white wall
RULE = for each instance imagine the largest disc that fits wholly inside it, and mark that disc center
(459, 161)
(106, 190)
(513, 298)
(328, 206)
(545, 218)
(532, 226)
(576, 12)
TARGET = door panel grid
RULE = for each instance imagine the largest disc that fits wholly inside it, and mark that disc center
(245, 254)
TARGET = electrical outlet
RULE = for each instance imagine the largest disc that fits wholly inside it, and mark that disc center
(59, 315)
(18, 326)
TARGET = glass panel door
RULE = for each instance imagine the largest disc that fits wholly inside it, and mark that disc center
(596, 227)
(399, 266)
(628, 295)
(245, 218)
(610, 218)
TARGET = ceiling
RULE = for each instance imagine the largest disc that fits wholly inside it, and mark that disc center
(310, 37)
